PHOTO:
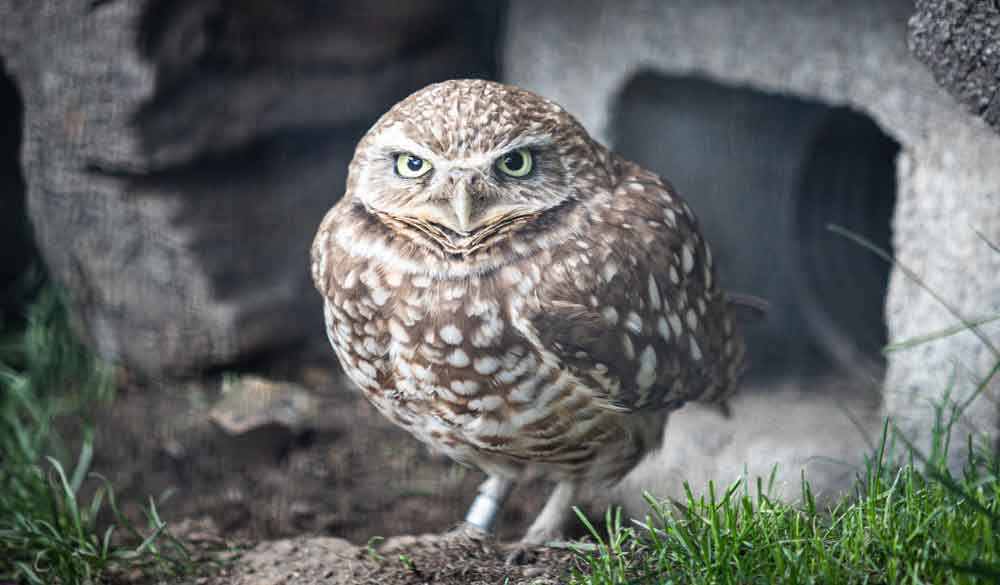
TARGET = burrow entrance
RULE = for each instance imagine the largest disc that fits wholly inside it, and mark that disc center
(766, 174)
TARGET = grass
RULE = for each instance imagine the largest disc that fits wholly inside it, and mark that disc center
(910, 519)
(50, 533)
(903, 525)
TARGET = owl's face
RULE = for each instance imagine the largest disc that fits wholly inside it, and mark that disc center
(465, 155)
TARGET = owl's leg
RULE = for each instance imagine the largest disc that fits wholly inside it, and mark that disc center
(493, 492)
(551, 523)
(548, 526)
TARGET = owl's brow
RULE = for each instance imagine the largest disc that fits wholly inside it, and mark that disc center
(526, 141)
(487, 157)
(394, 140)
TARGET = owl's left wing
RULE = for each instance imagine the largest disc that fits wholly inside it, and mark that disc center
(632, 307)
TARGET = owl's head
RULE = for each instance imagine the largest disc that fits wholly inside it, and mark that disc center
(468, 154)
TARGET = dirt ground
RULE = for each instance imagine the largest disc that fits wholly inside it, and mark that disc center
(344, 476)
(314, 486)
(410, 560)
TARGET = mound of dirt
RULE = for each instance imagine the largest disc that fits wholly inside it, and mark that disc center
(409, 560)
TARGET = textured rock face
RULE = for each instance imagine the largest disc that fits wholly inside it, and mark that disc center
(179, 155)
(853, 54)
(960, 42)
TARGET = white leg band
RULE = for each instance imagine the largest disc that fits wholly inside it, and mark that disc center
(483, 512)
(486, 507)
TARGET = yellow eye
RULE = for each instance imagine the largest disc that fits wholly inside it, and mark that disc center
(411, 167)
(516, 163)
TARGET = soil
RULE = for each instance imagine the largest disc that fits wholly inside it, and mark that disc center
(411, 560)
(312, 485)
(343, 480)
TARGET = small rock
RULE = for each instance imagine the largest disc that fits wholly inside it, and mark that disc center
(317, 377)
(250, 402)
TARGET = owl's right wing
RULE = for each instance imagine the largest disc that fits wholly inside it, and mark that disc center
(352, 303)
(633, 308)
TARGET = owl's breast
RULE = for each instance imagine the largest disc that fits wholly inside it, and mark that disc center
(456, 362)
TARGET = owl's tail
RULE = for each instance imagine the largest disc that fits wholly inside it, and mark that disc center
(745, 308)
(744, 304)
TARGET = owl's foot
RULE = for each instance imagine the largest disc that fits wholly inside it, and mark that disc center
(520, 553)
(547, 528)
(466, 531)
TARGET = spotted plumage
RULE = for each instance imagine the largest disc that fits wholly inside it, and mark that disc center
(549, 320)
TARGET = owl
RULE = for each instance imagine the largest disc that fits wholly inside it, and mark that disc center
(517, 296)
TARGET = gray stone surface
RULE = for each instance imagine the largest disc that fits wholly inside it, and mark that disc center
(821, 435)
(852, 53)
(179, 155)
(960, 42)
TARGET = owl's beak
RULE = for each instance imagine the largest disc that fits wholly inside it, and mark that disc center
(461, 204)
(465, 184)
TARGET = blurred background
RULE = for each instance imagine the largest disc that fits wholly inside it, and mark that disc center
(164, 166)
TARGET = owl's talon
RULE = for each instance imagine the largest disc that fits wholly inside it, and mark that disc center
(466, 531)
(521, 553)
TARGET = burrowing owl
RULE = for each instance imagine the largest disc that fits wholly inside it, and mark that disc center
(516, 295)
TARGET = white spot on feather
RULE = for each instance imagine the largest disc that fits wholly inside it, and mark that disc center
(647, 368)
(380, 296)
(424, 374)
(692, 319)
(464, 387)
(633, 322)
(687, 258)
(486, 365)
(451, 335)
(675, 323)
(610, 269)
(486, 403)
(458, 358)
(695, 350)
(654, 293)
(663, 328)
(627, 346)
(394, 278)
(398, 332)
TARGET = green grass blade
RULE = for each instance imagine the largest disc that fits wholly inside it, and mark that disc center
(912, 275)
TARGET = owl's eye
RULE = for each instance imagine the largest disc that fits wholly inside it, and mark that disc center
(409, 166)
(516, 163)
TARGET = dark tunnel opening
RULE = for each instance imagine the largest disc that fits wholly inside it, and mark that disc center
(16, 249)
(766, 174)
